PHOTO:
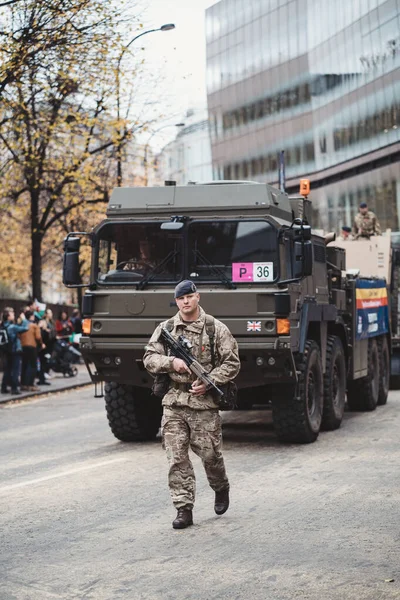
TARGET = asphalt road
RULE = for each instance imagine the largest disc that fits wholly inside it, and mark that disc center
(84, 516)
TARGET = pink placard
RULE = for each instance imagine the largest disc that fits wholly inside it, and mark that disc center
(242, 272)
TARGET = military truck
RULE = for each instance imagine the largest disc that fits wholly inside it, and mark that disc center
(305, 329)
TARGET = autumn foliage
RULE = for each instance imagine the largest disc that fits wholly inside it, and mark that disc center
(58, 127)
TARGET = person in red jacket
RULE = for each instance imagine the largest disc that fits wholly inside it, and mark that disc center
(64, 327)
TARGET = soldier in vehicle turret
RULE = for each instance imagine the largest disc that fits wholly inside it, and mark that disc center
(366, 223)
(345, 235)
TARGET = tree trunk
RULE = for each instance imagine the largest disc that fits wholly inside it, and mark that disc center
(36, 241)
(37, 266)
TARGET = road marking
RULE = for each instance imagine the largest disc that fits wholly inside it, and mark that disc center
(14, 486)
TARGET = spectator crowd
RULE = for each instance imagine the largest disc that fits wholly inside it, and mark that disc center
(27, 343)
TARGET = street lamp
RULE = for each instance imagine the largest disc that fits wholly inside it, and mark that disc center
(166, 27)
(145, 162)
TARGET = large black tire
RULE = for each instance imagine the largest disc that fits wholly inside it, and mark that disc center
(384, 370)
(334, 385)
(297, 417)
(133, 413)
(394, 299)
(363, 394)
(395, 368)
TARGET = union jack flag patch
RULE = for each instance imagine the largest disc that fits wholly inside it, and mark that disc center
(253, 325)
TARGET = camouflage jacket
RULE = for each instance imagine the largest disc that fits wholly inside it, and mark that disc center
(366, 225)
(226, 353)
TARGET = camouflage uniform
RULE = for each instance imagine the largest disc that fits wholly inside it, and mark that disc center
(193, 421)
(366, 225)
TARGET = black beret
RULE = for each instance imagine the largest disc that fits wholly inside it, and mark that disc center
(185, 287)
(363, 205)
(346, 228)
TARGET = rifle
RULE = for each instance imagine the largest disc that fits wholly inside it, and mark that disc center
(182, 348)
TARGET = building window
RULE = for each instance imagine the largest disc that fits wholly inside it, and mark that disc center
(373, 125)
(309, 152)
(269, 163)
(228, 172)
(255, 166)
(267, 106)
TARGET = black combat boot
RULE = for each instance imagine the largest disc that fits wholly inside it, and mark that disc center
(221, 503)
(184, 518)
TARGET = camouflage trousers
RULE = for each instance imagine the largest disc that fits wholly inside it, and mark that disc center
(183, 428)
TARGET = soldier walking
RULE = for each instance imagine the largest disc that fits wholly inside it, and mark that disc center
(366, 223)
(190, 415)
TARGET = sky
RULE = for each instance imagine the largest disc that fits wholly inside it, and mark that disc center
(180, 53)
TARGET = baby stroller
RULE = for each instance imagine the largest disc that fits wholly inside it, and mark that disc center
(63, 358)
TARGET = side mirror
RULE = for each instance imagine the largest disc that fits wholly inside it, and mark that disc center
(71, 263)
(302, 259)
(71, 275)
(72, 244)
(301, 229)
(297, 260)
(306, 232)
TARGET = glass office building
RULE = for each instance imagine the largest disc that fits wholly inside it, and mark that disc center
(319, 80)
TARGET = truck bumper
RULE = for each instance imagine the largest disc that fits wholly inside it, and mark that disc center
(266, 364)
(115, 361)
(262, 363)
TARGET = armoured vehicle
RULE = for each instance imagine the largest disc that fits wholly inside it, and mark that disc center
(306, 330)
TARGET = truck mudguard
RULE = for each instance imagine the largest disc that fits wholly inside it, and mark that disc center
(313, 312)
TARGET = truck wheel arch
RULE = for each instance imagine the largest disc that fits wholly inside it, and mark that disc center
(317, 321)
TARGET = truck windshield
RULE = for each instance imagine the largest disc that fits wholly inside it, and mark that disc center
(137, 253)
(243, 251)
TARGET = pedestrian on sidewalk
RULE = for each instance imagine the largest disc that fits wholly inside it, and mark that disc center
(31, 341)
(12, 366)
(33, 308)
(190, 416)
(48, 331)
(76, 321)
(64, 327)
